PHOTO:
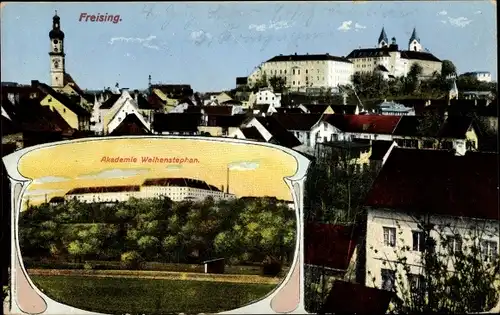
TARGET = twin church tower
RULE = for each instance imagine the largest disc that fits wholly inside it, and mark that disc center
(413, 43)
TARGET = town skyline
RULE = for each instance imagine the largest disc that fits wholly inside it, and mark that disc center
(195, 43)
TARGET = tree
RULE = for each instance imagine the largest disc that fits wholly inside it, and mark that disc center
(453, 274)
(448, 68)
(428, 126)
(278, 83)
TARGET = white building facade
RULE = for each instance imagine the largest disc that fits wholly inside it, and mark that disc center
(388, 231)
(267, 96)
(306, 71)
(482, 76)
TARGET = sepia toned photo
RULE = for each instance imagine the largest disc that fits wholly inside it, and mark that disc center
(250, 158)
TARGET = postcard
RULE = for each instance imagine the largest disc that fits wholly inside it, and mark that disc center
(249, 158)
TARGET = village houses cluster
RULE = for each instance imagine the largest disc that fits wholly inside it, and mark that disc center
(457, 152)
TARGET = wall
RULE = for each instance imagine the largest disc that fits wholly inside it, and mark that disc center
(405, 224)
(70, 117)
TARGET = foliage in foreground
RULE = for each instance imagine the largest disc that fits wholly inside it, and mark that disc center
(242, 231)
(457, 270)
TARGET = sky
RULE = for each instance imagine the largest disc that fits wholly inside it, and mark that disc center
(209, 44)
(82, 165)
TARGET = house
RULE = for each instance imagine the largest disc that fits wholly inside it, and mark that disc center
(455, 195)
(217, 99)
(355, 153)
(75, 115)
(273, 131)
(289, 110)
(248, 133)
(131, 125)
(267, 96)
(346, 127)
(55, 201)
(298, 124)
(263, 109)
(456, 132)
(176, 124)
(482, 76)
(172, 91)
(216, 266)
(323, 109)
(221, 125)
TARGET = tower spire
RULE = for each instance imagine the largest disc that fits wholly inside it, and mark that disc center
(382, 39)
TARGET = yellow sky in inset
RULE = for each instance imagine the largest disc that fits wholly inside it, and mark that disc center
(58, 169)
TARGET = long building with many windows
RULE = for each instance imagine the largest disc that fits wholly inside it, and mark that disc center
(306, 71)
(177, 189)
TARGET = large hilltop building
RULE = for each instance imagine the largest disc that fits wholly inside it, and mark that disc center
(388, 59)
(177, 189)
(306, 71)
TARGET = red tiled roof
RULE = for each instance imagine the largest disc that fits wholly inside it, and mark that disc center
(329, 245)
(379, 124)
(180, 182)
(438, 182)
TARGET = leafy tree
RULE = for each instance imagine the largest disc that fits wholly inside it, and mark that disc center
(448, 68)
(454, 275)
(278, 83)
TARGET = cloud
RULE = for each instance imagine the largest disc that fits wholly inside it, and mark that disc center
(200, 36)
(243, 166)
(345, 26)
(478, 12)
(50, 179)
(115, 173)
(273, 25)
(145, 42)
(358, 26)
(442, 13)
(174, 167)
(41, 192)
(459, 21)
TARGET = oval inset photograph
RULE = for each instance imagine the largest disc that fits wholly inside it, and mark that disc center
(157, 225)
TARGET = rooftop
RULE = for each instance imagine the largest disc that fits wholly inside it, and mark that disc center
(307, 57)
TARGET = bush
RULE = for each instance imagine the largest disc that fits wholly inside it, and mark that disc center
(132, 260)
(88, 266)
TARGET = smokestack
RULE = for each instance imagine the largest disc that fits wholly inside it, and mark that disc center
(227, 181)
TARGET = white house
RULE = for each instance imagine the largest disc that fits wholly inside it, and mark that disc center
(408, 194)
(128, 106)
(482, 76)
(267, 96)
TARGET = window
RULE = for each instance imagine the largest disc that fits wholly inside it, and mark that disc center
(298, 71)
(306, 71)
(388, 279)
(318, 78)
(293, 71)
(298, 83)
(489, 250)
(454, 243)
(64, 110)
(390, 236)
(428, 144)
(447, 145)
(293, 82)
(417, 284)
(418, 241)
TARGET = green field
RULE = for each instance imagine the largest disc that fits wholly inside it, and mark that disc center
(149, 296)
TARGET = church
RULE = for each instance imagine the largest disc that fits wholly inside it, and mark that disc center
(393, 62)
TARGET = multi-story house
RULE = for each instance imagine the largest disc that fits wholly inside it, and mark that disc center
(267, 96)
(393, 60)
(306, 71)
(456, 197)
(482, 76)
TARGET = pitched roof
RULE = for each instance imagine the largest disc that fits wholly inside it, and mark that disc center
(63, 99)
(414, 36)
(279, 133)
(131, 125)
(31, 116)
(344, 109)
(313, 57)
(263, 108)
(329, 245)
(289, 110)
(225, 120)
(252, 133)
(142, 103)
(297, 121)
(419, 55)
(176, 122)
(316, 108)
(380, 149)
(103, 189)
(439, 182)
(180, 182)
(379, 124)
(455, 127)
(383, 36)
(67, 79)
(369, 52)
(107, 104)
(218, 110)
